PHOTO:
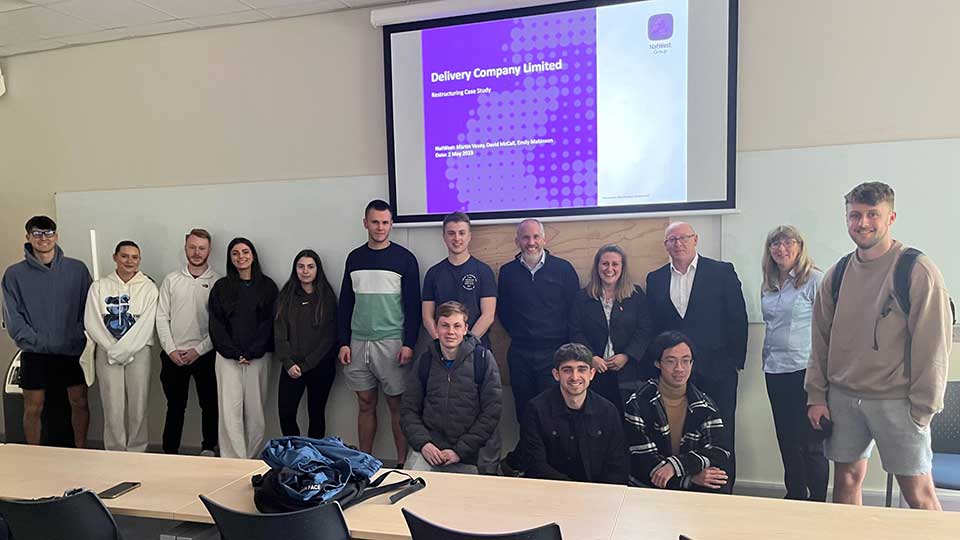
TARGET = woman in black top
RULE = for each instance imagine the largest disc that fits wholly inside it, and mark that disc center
(305, 332)
(610, 317)
(241, 328)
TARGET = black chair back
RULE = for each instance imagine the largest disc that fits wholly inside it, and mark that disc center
(324, 522)
(945, 427)
(421, 529)
(78, 516)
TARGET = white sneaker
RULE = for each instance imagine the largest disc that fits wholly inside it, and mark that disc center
(208, 453)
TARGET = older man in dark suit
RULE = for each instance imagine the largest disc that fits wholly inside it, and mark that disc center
(702, 298)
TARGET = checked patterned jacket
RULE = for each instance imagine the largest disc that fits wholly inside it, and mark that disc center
(647, 433)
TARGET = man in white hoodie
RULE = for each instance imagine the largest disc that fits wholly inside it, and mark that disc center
(183, 329)
(119, 317)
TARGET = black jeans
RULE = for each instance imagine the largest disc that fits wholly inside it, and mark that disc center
(531, 372)
(318, 381)
(723, 391)
(176, 387)
(805, 469)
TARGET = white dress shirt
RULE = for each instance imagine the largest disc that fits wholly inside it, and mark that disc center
(681, 284)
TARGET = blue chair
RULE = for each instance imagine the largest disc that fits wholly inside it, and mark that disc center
(945, 442)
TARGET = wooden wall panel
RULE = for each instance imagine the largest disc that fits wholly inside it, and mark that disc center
(576, 241)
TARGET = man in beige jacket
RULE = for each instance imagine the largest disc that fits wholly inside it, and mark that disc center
(877, 370)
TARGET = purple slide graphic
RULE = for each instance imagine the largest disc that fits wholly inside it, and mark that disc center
(510, 113)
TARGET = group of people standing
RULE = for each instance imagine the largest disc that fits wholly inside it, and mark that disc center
(611, 383)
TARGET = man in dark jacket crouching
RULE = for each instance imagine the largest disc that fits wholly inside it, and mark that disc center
(451, 405)
(571, 433)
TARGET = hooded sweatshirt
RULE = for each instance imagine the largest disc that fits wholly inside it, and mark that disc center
(120, 316)
(43, 306)
(182, 317)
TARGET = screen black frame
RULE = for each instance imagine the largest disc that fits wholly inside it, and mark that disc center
(581, 211)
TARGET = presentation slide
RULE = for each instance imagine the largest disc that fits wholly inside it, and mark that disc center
(573, 109)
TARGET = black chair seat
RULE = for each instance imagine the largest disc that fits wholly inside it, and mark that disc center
(421, 529)
(324, 522)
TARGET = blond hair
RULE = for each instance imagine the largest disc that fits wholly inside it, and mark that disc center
(624, 288)
(802, 268)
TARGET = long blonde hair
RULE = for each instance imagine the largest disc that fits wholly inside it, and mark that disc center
(624, 288)
(802, 268)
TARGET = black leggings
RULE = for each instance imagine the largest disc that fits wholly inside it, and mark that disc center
(318, 381)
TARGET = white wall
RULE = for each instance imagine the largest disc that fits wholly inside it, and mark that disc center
(303, 98)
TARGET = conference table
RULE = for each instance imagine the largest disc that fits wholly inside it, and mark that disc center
(170, 485)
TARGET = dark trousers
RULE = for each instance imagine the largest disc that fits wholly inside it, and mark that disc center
(531, 372)
(805, 469)
(176, 386)
(723, 390)
(317, 382)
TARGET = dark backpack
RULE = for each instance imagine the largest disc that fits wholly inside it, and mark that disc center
(479, 369)
(901, 288)
(270, 497)
(901, 280)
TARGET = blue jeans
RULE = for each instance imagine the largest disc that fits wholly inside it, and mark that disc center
(313, 468)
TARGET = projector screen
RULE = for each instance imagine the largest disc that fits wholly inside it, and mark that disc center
(579, 108)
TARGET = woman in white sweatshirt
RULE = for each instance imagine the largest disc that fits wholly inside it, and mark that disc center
(119, 316)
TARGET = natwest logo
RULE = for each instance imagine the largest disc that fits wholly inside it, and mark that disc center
(660, 27)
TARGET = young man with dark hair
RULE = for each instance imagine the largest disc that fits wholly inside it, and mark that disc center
(44, 298)
(535, 294)
(674, 430)
(465, 279)
(571, 433)
(378, 323)
(880, 351)
(451, 405)
(183, 326)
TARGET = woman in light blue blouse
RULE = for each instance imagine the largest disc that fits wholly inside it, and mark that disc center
(790, 283)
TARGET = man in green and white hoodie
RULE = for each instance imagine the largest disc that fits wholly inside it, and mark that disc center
(119, 317)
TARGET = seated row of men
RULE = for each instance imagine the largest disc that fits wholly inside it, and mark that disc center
(668, 436)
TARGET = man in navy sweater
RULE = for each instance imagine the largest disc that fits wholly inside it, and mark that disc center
(535, 293)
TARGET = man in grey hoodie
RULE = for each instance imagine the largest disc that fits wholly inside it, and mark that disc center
(44, 297)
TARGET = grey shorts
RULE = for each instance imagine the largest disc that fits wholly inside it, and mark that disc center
(373, 363)
(904, 446)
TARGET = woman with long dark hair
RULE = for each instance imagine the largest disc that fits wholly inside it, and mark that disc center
(305, 334)
(610, 317)
(242, 306)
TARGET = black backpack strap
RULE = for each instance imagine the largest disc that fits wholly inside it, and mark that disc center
(837, 278)
(479, 365)
(376, 487)
(901, 277)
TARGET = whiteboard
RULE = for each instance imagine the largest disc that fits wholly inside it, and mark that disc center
(805, 188)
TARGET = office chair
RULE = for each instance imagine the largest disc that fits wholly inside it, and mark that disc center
(79, 515)
(945, 442)
(421, 529)
(323, 522)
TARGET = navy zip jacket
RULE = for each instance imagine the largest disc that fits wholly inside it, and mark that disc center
(534, 308)
(44, 306)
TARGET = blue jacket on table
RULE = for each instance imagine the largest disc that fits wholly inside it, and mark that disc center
(648, 436)
(549, 426)
(534, 308)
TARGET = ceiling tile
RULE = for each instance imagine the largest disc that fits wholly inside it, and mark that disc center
(10, 5)
(229, 18)
(31, 46)
(317, 6)
(37, 23)
(112, 13)
(368, 3)
(186, 9)
(277, 3)
(97, 37)
(159, 28)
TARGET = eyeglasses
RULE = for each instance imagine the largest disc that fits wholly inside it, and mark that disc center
(43, 234)
(786, 242)
(674, 240)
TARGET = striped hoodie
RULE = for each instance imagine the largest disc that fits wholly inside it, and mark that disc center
(647, 433)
